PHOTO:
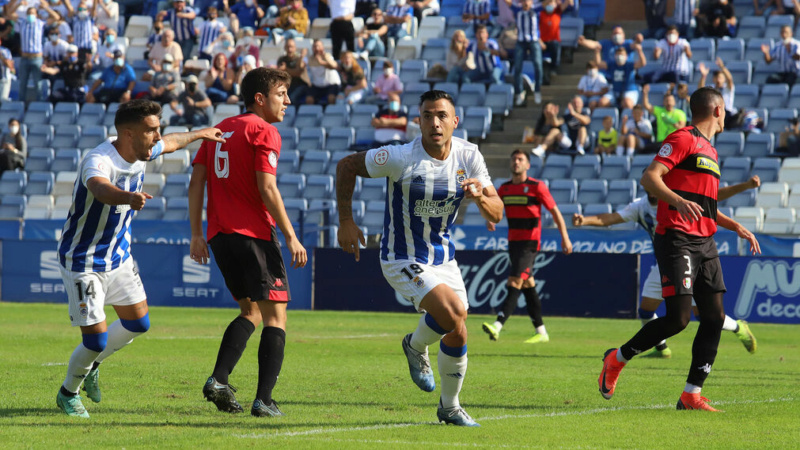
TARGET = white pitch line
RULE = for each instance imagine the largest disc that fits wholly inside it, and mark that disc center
(47, 364)
(316, 431)
(297, 336)
(417, 443)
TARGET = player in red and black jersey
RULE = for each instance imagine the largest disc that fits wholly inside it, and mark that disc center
(244, 205)
(685, 178)
(523, 198)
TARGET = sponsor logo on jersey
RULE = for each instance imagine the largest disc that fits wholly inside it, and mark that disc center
(434, 208)
(195, 273)
(705, 368)
(381, 156)
(278, 283)
(515, 200)
(708, 164)
(665, 150)
(525, 189)
(775, 279)
(418, 180)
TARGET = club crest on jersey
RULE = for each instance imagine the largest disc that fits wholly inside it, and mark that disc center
(418, 282)
(461, 175)
(381, 156)
(525, 190)
(687, 283)
(84, 310)
(273, 159)
(665, 150)
(708, 164)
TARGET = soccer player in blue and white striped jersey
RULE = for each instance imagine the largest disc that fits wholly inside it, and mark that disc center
(94, 249)
(786, 52)
(428, 179)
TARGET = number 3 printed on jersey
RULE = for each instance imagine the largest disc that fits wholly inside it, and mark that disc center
(222, 165)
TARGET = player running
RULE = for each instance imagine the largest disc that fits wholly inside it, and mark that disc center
(244, 205)
(523, 197)
(684, 176)
(642, 211)
(428, 179)
(94, 249)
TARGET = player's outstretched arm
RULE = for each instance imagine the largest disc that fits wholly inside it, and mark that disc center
(653, 183)
(489, 203)
(271, 196)
(729, 191)
(175, 141)
(346, 171)
(566, 243)
(600, 220)
(726, 222)
(198, 248)
(107, 193)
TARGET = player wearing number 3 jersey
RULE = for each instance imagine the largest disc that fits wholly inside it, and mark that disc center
(94, 249)
(428, 178)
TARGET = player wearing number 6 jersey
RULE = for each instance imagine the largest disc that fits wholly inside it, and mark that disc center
(244, 206)
(428, 178)
(685, 178)
(94, 249)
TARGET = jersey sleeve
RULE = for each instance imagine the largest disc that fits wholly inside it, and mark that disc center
(631, 211)
(158, 149)
(95, 166)
(478, 170)
(545, 197)
(200, 157)
(386, 161)
(267, 145)
(674, 149)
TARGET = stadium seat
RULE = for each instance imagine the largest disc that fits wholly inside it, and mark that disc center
(746, 198)
(564, 191)
(751, 27)
(794, 97)
(153, 209)
(311, 139)
(308, 116)
(500, 98)
(66, 160)
(472, 95)
(450, 88)
(779, 221)
(746, 96)
(729, 143)
(373, 189)
(592, 191)
(176, 162)
(65, 181)
(638, 164)
(790, 171)
(435, 49)
(319, 186)
(731, 49)
(478, 121)
(336, 115)
(568, 210)
(571, 30)
(767, 169)
(38, 207)
(741, 72)
(340, 138)
(586, 167)
(335, 158)
(593, 209)
(11, 109)
(410, 95)
(779, 118)
(12, 206)
(65, 113)
(139, 26)
(621, 192)
(177, 209)
(315, 162)
(40, 183)
(13, 183)
(592, 12)
(39, 113)
(703, 49)
(735, 169)
(757, 145)
(111, 113)
(92, 135)
(292, 184)
(320, 212)
(361, 114)
(600, 113)
(773, 96)
(289, 160)
(40, 136)
(374, 216)
(407, 48)
(295, 208)
(615, 167)
(775, 23)
(536, 166)
(66, 136)
(39, 158)
(772, 195)
(557, 166)
(413, 70)
(176, 185)
(289, 138)
(750, 217)
(794, 196)
(762, 70)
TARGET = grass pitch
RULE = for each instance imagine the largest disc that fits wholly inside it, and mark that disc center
(345, 384)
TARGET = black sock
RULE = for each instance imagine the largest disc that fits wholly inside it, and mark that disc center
(661, 347)
(270, 360)
(67, 393)
(534, 306)
(233, 344)
(706, 341)
(677, 317)
(509, 305)
(95, 365)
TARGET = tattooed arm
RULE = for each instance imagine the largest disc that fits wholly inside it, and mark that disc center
(346, 171)
(175, 141)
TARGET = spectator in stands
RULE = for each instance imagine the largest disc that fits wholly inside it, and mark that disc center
(528, 47)
(209, 31)
(293, 21)
(118, 82)
(668, 118)
(575, 120)
(154, 38)
(787, 7)
(398, 17)
(717, 19)
(73, 71)
(163, 86)
(477, 12)
(550, 33)
(6, 70)
(458, 61)
(191, 106)
(219, 81)
(159, 50)
(682, 98)
(594, 88)
(248, 63)
(676, 52)
(83, 26)
(52, 20)
(622, 73)
(608, 47)
(390, 123)
(364, 8)
(636, 132)
(547, 133)
(54, 51)
(325, 81)
(684, 15)
(295, 64)
(487, 54)
(424, 8)
(31, 30)
(607, 138)
(354, 82)
(181, 19)
(222, 45)
(789, 139)
(104, 57)
(387, 83)
(655, 12)
(248, 44)
(722, 80)
(244, 13)
(13, 148)
(342, 29)
(371, 41)
(787, 53)
(107, 17)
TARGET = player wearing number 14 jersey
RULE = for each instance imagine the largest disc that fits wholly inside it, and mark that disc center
(428, 179)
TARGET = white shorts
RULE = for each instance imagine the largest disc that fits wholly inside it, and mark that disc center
(652, 285)
(89, 292)
(413, 280)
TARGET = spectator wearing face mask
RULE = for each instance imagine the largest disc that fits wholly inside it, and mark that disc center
(31, 30)
(209, 31)
(54, 51)
(73, 71)
(104, 57)
(159, 50)
(786, 52)
(674, 53)
(181, 19)
(82, 24)
(224, 45)
(245, 13)
(162, 87)
(593, 87)
(390, 123)
(293, 21)
(387, 83)
(13, 148)
(117, 81)
(622, 73)
(398, 17)
(107, 17)
(190, 107)
(608, 47)
(246, 45)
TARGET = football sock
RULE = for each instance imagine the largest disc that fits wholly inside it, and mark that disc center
(509, 305)
(80, 363)
(233, 344)
(427, 333)
(498, 325)
(704, 350)
(656, 330)
(621, 358)
(691, 389)
(534, 305)
(452, 368)
(270, 360)
(730, 324)
(646, 316)
(118, 337)
(541, 330)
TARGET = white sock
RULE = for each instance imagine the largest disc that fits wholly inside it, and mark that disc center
(497, 325)
(80, 363)
(621, 358)
(729, 324)
(629, 151)
(692, 389)
(424, 335)
(118, 337)
(451, 372)
(619, 150)
(541, 330)
(580, 149)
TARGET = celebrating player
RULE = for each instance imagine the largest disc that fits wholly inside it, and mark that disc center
(642, 211)
(428, 179)
(523, 197)
(94, 249)
(244, 205)
(684, 176)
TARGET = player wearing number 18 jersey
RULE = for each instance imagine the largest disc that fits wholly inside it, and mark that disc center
(685, 178)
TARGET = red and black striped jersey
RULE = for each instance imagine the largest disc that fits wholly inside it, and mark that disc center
(694, 175)
(523, 204)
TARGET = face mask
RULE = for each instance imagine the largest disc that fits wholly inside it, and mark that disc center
(73, 59)
(191, 87)
(119, 62)
(593, 73)
(226, 44)
(31, 18)
(621, 60)
(13, 129)
(106, 1)
(83, 15)
(53, 37)
(400, 2)
(394, 105)
(248, 2)
(550, 8)
(387, 72)
(166, 67)
(672, 38)
(617, 38)
(53, 2)
(347, 66)
(788, 40)
(111, 38)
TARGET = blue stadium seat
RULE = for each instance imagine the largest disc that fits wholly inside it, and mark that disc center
(729, 143)
(92, 135)
(568, 210)
(153, 209)
(735, 169)
(308, 116)
(13, 183)
(373, 216)
(311, 138)
(319, 186)
(615, 167)
(757, 145)
(746, 96)
(66, 160)
(365, 135)
(461, 133)
(703, 49)
(40, 136)
(411, 94)
(66, 136)
(564, 190)
(656, 94)
(593, 209)
(478, 121)
(12, 206)
(450, 88)
(315, 162)
(762, 71)
(775, 23)
(766, 168)
(177, 209)
(794, 97)
(751, 27)
(731, 49)
(373, 189)
(536, 166)
(340, 138)
(638, 164)
(11, 109)
(779, 118)
(289, 138)
(472, 95)
(592, 191)
(752, 48)
(111, 113)
(39, 113)
(295, 208)
(177, 185)
(318, 209)
(92, 114)
(292, 184)
(413, 70)
(586, 167)
(746, 198)
(621, 192)
(599, 114)
(336, 115)
(571, 29)
(40, 183)
(65, 113)
(592, 12)
(289, 160)
(39, 158)
(500, 98)
(435, 49)
(361, 114)
(557, 166)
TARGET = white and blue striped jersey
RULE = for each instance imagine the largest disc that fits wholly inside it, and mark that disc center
(5, 72)
(97, 237)
(209, 30)
(485, 62)
(785, 57)
(641, 212)
(183, 28)
(423, 197)
(477, 8)
(82, 30)
(31, 35)
(673, 57)
(527, 24)
(684, 9)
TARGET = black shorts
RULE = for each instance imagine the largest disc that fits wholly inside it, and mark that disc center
(521, 255)
(252, 268)
(688, 265)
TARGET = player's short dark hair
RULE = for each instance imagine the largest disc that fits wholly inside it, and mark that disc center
(433, 95)
(262, 80)
(703, 101)
(480, 27)
(135, 111)
(520, 151)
